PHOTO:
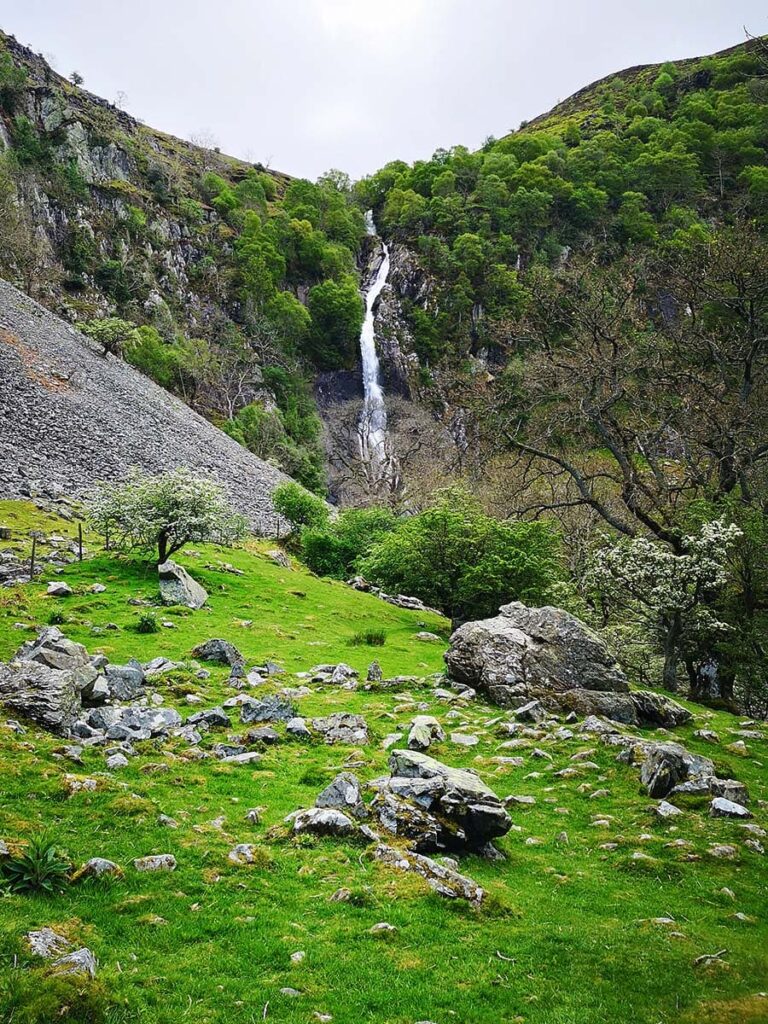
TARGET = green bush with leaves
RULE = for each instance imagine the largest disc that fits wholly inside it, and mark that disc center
(336, 548)
(40, 867)
(301, 508)
(454, 557)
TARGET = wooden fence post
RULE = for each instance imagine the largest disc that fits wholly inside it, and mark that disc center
(32, 560)
(80, 542)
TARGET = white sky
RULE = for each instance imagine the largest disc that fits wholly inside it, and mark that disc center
(305, 85)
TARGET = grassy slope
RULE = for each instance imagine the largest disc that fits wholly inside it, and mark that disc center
(212, 943)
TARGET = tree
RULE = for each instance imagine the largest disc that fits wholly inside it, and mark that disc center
(164, 513)
(671, 594)
(300, 507)
(454, 557)
(112, 333)
(337, 316)
(76, 78)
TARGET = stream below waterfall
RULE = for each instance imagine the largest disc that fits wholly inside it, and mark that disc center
(373, 420)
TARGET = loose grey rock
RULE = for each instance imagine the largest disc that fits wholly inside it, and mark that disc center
(344, 793)
(665, 810)
(57, 588)
(269, 709)
(298, 727)
(248, 757)
(125, 682)
(48, 696)
(79, 961)
(156, 862)
(321, 821)
(99, 867)
(116, 761)
(722, 808)
(46, 943)
(220, 651)
(374, 674)
(178, 587)
(342, 728)
(213, 718)
(243, 853)
(424, 729)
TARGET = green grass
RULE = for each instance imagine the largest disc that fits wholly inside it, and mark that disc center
(563, 937)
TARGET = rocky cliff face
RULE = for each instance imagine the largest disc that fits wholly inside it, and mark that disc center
(103, 192)
(73, 416)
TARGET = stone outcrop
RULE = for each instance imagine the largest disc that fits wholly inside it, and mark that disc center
(527, 652)
(178, 587)
(437, 807)
(47, 696)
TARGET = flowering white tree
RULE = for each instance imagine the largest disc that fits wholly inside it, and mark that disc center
(672, 594)
(164, 512)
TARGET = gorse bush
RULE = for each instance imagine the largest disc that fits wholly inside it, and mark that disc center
(41, 867)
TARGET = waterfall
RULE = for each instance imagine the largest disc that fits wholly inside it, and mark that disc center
(373, 420)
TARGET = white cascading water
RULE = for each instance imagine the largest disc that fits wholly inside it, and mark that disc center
(373, 422)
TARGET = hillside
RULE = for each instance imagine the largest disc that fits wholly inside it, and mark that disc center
(74, 416)
(599, 911)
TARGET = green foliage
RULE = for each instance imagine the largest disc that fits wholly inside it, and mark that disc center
(337, 316)
(13, 81)
(299, 507)
(163, 361)
(336, 547)
(30, 997)
(40, 867)
(164, 512)
(112, 333)
(371, 638)
(454, 557)
(147, 623)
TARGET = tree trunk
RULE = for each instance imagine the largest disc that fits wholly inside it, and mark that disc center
(162, 547)
(669, 675)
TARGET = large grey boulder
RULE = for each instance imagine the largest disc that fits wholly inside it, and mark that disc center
(436, 806)
(51, 648)
(48, 696)
(524, 653)
(271, 709)
(640, 707)
(125, 681)
(178, 587)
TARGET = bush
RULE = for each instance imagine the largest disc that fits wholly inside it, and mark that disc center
(371, 638)
(299, 507)
(335, 549)
(454, 557)
(57, 617)
(147, 623)
(40, 868)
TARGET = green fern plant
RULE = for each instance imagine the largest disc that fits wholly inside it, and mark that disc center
(41, 867)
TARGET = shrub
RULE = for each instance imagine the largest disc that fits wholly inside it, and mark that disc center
(40, 868)
(299, 507)
(57, 617)
(371, 638)
(147, 623)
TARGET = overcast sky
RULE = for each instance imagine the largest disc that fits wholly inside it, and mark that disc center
(305, 85)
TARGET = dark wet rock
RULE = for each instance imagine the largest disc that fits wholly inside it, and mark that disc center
(220, 651)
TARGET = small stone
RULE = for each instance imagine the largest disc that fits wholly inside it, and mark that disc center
(665, 810)
(248, 757)
(156, 862)
(98, 867)
(58, 588)
(464, 739)
(297, 727)
(166, 821)
(116, 761)
(723, 851)
(253, 815)
(298, 956)
(243, 853)
(527, 801)
(292, 993)
(342, 895)
(383, 930)
(79, 961)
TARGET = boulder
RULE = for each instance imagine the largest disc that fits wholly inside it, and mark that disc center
(178, 587)
(722, 808)
(344, 794)
(79, 961)
(156, 862)
(424, 729)
(667, 765)
(125, 681)
(639, 708)
(444, 880)
(58, 588)
(219, 651)
(321, 821)
(213, 718)
(270, 709)
(297, 727)
(438, 807)
(524, 653)
(342, 727)
(48, 696)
